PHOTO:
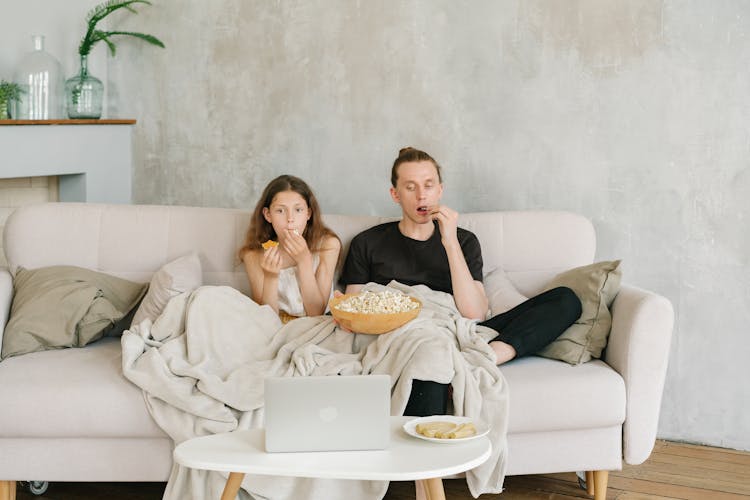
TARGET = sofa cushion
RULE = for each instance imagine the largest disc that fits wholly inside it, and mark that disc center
(183, 274)
(72, 393)
(65, 306)
(596, 285)
(549, 395)
(102, 236)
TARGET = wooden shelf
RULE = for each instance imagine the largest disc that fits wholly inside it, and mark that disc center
(69, 122)
(92, 160)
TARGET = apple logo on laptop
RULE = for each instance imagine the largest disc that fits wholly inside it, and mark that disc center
(328, 414)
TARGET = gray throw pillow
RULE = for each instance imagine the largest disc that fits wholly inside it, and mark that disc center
(65, 306)
(183, 274)
(596, 285)
(502, 295)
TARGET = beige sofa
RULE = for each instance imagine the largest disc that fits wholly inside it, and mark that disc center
(70, 415)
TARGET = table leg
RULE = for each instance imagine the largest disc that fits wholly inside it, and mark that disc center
(7, 490)
(432, 489)
(233, 485)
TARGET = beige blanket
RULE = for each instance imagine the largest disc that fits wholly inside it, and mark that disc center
(201, 366)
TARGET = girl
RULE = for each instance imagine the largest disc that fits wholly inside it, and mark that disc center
(289, 254)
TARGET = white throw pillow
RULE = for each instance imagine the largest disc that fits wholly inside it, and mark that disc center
(501, 293)
(181, 275)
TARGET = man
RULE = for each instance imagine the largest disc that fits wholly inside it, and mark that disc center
(427, 247)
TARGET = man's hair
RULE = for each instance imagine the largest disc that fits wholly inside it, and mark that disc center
(410, 154)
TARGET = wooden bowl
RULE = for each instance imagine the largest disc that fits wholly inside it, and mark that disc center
(371, 323)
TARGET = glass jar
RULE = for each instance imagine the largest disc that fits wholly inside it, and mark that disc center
(84, 93)
(41, 79)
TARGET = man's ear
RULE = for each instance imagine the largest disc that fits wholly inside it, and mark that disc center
(394, 195)
(267, 214)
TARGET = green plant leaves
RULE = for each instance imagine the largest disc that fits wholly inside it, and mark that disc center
(104, 9)
(10, 91)
(101, 11)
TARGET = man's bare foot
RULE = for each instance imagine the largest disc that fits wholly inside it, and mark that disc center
(504, 352)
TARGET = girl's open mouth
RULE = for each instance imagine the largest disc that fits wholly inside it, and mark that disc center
(423, 210)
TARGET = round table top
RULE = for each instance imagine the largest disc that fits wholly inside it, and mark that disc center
(406, 459)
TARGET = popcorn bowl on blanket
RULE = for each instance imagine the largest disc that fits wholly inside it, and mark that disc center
(374, 312)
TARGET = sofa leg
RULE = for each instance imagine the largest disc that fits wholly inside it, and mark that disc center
(7, 490)
(600, 484)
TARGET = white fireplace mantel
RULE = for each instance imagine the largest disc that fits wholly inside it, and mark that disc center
(93, 159)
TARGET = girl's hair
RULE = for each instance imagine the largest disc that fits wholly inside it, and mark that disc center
(260, 230)
(410, 154)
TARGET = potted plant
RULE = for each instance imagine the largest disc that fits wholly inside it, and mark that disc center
(9, 92)
(83, 91)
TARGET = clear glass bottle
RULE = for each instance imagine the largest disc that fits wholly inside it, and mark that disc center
(41, 78)
(84, 93)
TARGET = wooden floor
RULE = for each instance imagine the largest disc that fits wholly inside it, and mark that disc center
(673, 471)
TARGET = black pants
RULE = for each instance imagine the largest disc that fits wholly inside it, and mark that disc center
(528, 327)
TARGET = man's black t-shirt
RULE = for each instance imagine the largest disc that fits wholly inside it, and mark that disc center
(381, 254)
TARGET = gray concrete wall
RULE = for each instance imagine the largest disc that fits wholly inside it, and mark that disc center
(634, 113)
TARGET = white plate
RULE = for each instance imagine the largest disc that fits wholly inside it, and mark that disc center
(410, 428)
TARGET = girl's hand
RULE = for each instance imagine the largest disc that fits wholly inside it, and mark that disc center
(271, 261)
(296, 246)
(447, 220)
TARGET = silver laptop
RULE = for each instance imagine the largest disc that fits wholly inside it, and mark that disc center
(332, 413)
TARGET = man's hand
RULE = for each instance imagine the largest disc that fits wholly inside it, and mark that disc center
(447, 220)
(469, 295)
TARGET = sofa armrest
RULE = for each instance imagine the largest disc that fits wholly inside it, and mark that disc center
(6, 297)
(638, 349)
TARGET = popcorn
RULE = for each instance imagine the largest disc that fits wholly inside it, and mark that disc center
(385, 302)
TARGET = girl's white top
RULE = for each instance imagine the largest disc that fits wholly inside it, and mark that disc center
(290, 296)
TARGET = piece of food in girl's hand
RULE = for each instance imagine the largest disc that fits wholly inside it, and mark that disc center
(269, 244)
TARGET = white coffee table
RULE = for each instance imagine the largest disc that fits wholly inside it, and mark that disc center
(406, 459)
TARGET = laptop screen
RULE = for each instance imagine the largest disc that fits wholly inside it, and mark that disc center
(327, 413)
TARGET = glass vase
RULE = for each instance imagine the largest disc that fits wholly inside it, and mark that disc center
(41, 79)
(84, 93)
